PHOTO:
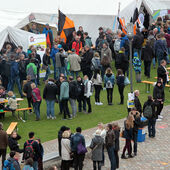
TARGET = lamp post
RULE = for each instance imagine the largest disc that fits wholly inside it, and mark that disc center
(130, 37)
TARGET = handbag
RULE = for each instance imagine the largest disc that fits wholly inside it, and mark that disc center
(126, 81)
(81, 149)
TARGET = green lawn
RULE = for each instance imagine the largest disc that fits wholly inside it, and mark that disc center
(48, 129)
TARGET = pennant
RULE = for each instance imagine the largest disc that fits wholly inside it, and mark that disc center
(65, 27)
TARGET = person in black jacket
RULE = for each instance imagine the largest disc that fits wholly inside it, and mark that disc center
(152, 119)
(80, 94)
(13, 144)
(28, 91)
(137, 123)
(147, 55)
(49, 94)
(137, 103)
(162, 72)
(159, 97)
(36, 149)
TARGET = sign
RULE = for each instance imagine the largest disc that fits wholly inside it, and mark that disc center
(39, 42)
(130, 104)
(131, 96)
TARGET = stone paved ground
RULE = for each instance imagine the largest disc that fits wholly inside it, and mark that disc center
(152, 154)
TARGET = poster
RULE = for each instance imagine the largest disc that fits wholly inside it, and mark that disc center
(39, 42)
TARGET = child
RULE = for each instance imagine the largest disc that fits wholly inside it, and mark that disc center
(97, 81)
(12, 103)
(137, 67)
(40, 159)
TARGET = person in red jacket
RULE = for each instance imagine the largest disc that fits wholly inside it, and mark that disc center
(36, 98)
(77, 45)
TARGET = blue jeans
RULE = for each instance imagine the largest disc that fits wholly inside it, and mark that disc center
(73, 106)
(11, 83)
(54, 65)
(36, 106)
(50, 107)
(35, 165)
(74, 72)
(151, 127)
(47, 73)
(154, 62)
(60, 70)
(111, 155)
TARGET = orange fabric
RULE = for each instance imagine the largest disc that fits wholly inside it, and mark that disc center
(48, 40)
(63, 36)
(122, 25)
(134, 29)
(68, 23)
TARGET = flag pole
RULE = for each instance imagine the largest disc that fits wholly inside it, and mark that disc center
(118, 14)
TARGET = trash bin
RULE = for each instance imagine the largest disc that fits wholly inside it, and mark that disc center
(141, 135)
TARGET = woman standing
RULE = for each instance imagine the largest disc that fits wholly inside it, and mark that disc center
(46, 63)
(36, 97)
(97, 147)
(128, 135)
(97, 81)
(65, 151)
(109, 81)
(120, 82)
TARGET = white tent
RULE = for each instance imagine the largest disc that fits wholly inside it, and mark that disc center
(150, 5)
(16, 36)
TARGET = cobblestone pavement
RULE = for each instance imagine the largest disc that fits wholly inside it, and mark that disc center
(154, 153)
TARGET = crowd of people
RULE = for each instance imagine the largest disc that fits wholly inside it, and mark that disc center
(95, 63)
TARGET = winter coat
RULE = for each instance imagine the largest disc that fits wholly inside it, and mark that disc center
(46, 60)
(22, 68)
(65, 149)
(160, 48)
(14, 69)
(74, 60)
(73, 90)
(75, 140)
(96, 63)
(137, 64)
(138, 104)
(106, 52)
(109, 77)
(64, 90)
(167, 36)
(120, 80)
(147, 53)
(88, 42)
(31, 70)
(128, 133)
(110, 138)
(28, 167)
(161, 73)
(152, 104)
(60, 59)
(36, 94)
(117, 135)
(88, 88)
(98, 80)
(4, 139)
(152, 40)
(54, 51)
(15, 163)
(50, 32)
(27, 89)
(137, 122)
(86, 60)
(50, 91)
(13, 143)
(12, 103)
(138, 41)
(97, 148)
(80, 91)
(158, 93)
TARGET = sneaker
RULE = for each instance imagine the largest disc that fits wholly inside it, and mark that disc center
(70, 118)
(123, 157)
(96, 103)
(160, 117)
(48, 117)
(64, 119)
(53, 118)
(130, 156)
(158, 120)
(100, 103)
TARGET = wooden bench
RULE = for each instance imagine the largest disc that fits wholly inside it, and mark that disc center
(18, 110)
(12, 127)
(157, 77)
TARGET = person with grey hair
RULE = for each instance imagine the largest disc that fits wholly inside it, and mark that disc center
(3, 143)
(137, 102)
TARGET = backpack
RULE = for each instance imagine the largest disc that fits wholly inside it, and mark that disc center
(105, 61)
(109, 85)
(29, 151)
(148, 112)
(117, 45)
(8, 165)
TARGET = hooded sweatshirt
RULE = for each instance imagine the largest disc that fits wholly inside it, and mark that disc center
(12, 102)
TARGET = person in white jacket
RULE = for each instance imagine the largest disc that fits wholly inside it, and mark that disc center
(88, 91)
(65, 151)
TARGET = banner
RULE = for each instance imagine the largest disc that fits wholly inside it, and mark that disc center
(39, 42)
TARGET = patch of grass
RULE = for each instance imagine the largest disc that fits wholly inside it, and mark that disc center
(48, 129)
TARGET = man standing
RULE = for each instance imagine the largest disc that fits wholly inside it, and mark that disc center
(49, 35)
(87, 40)
(137, 102)
(34, 29)
(163, 73)
(3, 143)
(32, 150)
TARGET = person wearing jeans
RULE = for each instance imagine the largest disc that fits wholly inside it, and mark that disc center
(49, 94)
(36, 97)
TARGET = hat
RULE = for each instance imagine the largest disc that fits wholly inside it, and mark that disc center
(59, 46)
(100, 28)
(47, 24)
(135, 54)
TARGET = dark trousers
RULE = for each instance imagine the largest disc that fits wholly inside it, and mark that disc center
(60, 105)
(127, 146)
(111, 155)
(4, 81)
(64, 104)
(121, 89)
(29, 101)
(38, 76)
(3, 154)
(65, 165)
(36, 106)
(135, 137)
(158, 108)
(109, 95)
(78, 161)
(147, 66)
(89, 104)
(151, 127)
(40, 164)
(117, 159)
(80, 101)
(97, 92)
(96, 165)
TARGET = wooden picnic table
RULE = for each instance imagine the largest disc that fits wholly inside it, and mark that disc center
(168, 68)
